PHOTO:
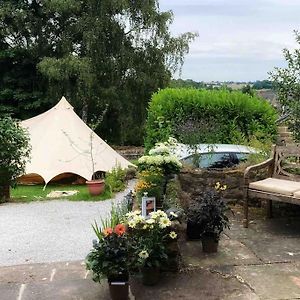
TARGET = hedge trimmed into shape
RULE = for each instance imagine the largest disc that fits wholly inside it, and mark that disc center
(208, 116)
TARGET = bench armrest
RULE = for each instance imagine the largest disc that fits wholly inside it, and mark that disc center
(267, 163)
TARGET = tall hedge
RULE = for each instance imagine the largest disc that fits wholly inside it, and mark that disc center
(208, 116)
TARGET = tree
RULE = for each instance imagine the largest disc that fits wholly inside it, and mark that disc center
(96, 53)
(287, 83)
(14, 153)
(247, 89)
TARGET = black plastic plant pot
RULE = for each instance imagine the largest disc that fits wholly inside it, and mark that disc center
(193, 231)
(119, 290)
(210, 244)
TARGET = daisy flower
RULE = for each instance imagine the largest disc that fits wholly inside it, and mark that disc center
(173, 235)
(144, 254)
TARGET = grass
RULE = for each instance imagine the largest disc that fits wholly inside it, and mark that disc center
(28, 193)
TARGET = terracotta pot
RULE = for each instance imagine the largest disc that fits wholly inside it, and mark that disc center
(209, 244)
(96, 187)
(150, 275)
(118, 290)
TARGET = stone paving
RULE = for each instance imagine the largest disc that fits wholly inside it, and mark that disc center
(261, 262)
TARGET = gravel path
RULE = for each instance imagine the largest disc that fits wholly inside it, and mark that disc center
(50, 231)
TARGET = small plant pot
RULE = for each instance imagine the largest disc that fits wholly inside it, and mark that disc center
(193, 231)
(96, 187)
(150, 276)
(209, 244)
(118, 290)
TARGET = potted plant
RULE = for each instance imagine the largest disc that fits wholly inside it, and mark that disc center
(96, 185)
(208, 216)
(148, 243)
(109, 259)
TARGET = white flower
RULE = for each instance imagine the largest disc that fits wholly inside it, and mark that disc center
(129, 215)
(137, 212)
(164, 222)
(154, 215)
(132, 224)
(161, 213)
(173, 235)
(173, 214)
(144, 254)
(150, 221)
(138, 219)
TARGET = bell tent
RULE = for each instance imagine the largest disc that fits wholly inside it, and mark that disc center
(63, 145)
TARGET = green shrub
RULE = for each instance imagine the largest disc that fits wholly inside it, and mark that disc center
(208, 116)
(116, 179)
(172, 197)
(14, 154)
(150, 181)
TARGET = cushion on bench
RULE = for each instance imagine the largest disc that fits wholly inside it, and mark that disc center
(274, 185)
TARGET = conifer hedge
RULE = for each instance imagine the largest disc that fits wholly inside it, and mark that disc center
(208, 116)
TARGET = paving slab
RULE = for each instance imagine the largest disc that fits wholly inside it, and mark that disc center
(230, 252)
(272, 281)
(194, 285)
(275, 249)
(66, 290)
(9, 291)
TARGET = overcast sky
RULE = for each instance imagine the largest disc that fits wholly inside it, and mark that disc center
(239, 40)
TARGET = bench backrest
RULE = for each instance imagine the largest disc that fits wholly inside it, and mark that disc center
(287, 162)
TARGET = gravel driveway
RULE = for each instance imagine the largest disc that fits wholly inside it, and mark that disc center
(49, 231)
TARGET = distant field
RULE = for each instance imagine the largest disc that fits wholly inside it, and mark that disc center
(28, 193)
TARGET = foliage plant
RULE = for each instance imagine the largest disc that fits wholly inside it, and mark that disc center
(208, 212)
(150, 181)
(109, 256)
(14, 153)
(208, 116)
(149, 238)
(93, 52)
(116, 179)
(161, 157)
(287, 84)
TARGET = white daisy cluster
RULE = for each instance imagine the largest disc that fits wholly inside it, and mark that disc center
(157, 218)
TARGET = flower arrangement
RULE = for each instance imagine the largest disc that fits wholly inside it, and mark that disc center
(149, 237)
(161, 157)
(109, 257)
(208, 212)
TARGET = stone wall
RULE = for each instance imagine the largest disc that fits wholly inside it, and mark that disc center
(195, 181)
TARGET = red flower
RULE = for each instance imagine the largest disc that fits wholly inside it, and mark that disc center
(107, 231)
(120, 229)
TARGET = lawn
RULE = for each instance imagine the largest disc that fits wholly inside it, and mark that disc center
(28, 193)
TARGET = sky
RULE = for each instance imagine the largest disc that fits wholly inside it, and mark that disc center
(239, 40)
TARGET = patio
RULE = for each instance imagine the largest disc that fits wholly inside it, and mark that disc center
(261, 262)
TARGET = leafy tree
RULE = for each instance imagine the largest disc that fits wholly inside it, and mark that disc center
(287, 83)
(97, 53)
(262, 84)
(248, 90)
(14, 153)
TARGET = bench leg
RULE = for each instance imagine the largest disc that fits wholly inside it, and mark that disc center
(269, 209)
(246, 213)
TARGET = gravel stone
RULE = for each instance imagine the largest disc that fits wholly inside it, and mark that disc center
(50, 231)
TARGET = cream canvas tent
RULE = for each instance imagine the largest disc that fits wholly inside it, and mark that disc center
(63, 144)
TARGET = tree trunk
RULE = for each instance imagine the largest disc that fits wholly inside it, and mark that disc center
(4, 193)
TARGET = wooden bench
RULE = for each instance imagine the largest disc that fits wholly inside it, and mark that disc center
(282, 182)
